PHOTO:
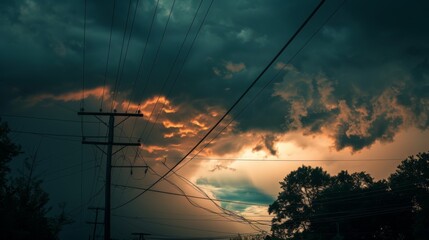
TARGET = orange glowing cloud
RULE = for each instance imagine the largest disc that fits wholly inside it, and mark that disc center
(153, 148)
(156, 104)
(168, 135)
(186, 132)
(130, 106)
(75, 96)
(169, 124)
(161, 101)
(150, 107)
(235, 67)
(97, 93)
(199, 124)
(214, 113)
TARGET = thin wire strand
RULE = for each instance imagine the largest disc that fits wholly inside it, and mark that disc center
(82, 108)
(83, 57)
(108, 55)
(45, 118)
(128, 45)
(143, 54)
(115, 90)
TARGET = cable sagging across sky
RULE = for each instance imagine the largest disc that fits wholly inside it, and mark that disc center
(233, 105)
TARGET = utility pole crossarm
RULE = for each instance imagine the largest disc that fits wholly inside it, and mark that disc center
(110, 143)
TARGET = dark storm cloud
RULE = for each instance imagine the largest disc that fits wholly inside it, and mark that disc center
(46, 39)
(367, 51)
(364, 77)
(32, 49)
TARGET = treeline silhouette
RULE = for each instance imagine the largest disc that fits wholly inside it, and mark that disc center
(316, 205)
(312, 204)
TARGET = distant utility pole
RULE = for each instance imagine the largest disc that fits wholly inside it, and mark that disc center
(95, 223)
(110, 143)
(141, 235)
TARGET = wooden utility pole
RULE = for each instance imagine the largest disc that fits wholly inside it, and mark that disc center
(110, 143)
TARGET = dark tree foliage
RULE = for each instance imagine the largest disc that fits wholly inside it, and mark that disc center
(294, 206)
(314, 205)
(23, 203)
(260, 236)
(411, 183)
(8, 150)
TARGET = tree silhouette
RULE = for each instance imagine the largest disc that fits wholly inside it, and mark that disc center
(294, 205)
(23, 203)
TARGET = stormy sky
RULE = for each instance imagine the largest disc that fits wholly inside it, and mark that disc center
(352, 86)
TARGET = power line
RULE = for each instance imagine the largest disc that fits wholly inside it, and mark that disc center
(115, 90)
(119, 78)
(97, 172)
(179, 219)
(294, 160)
(82, 108)
(225, 213)
(83, 56)
(47, 134)
(53, 172)
(59, 134)
(108, 54)
(44, 118)
(189, 196)
(141, 65)
(144, 51)
(181, 68)
(235, 103)
(155, 59)
(224, 210)
(87, 203)
(185, 59)
(183, 227)
(68, 175)
(171, 69)
(127, 47)
(157, 55)
(222, 237)
(268, 83)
